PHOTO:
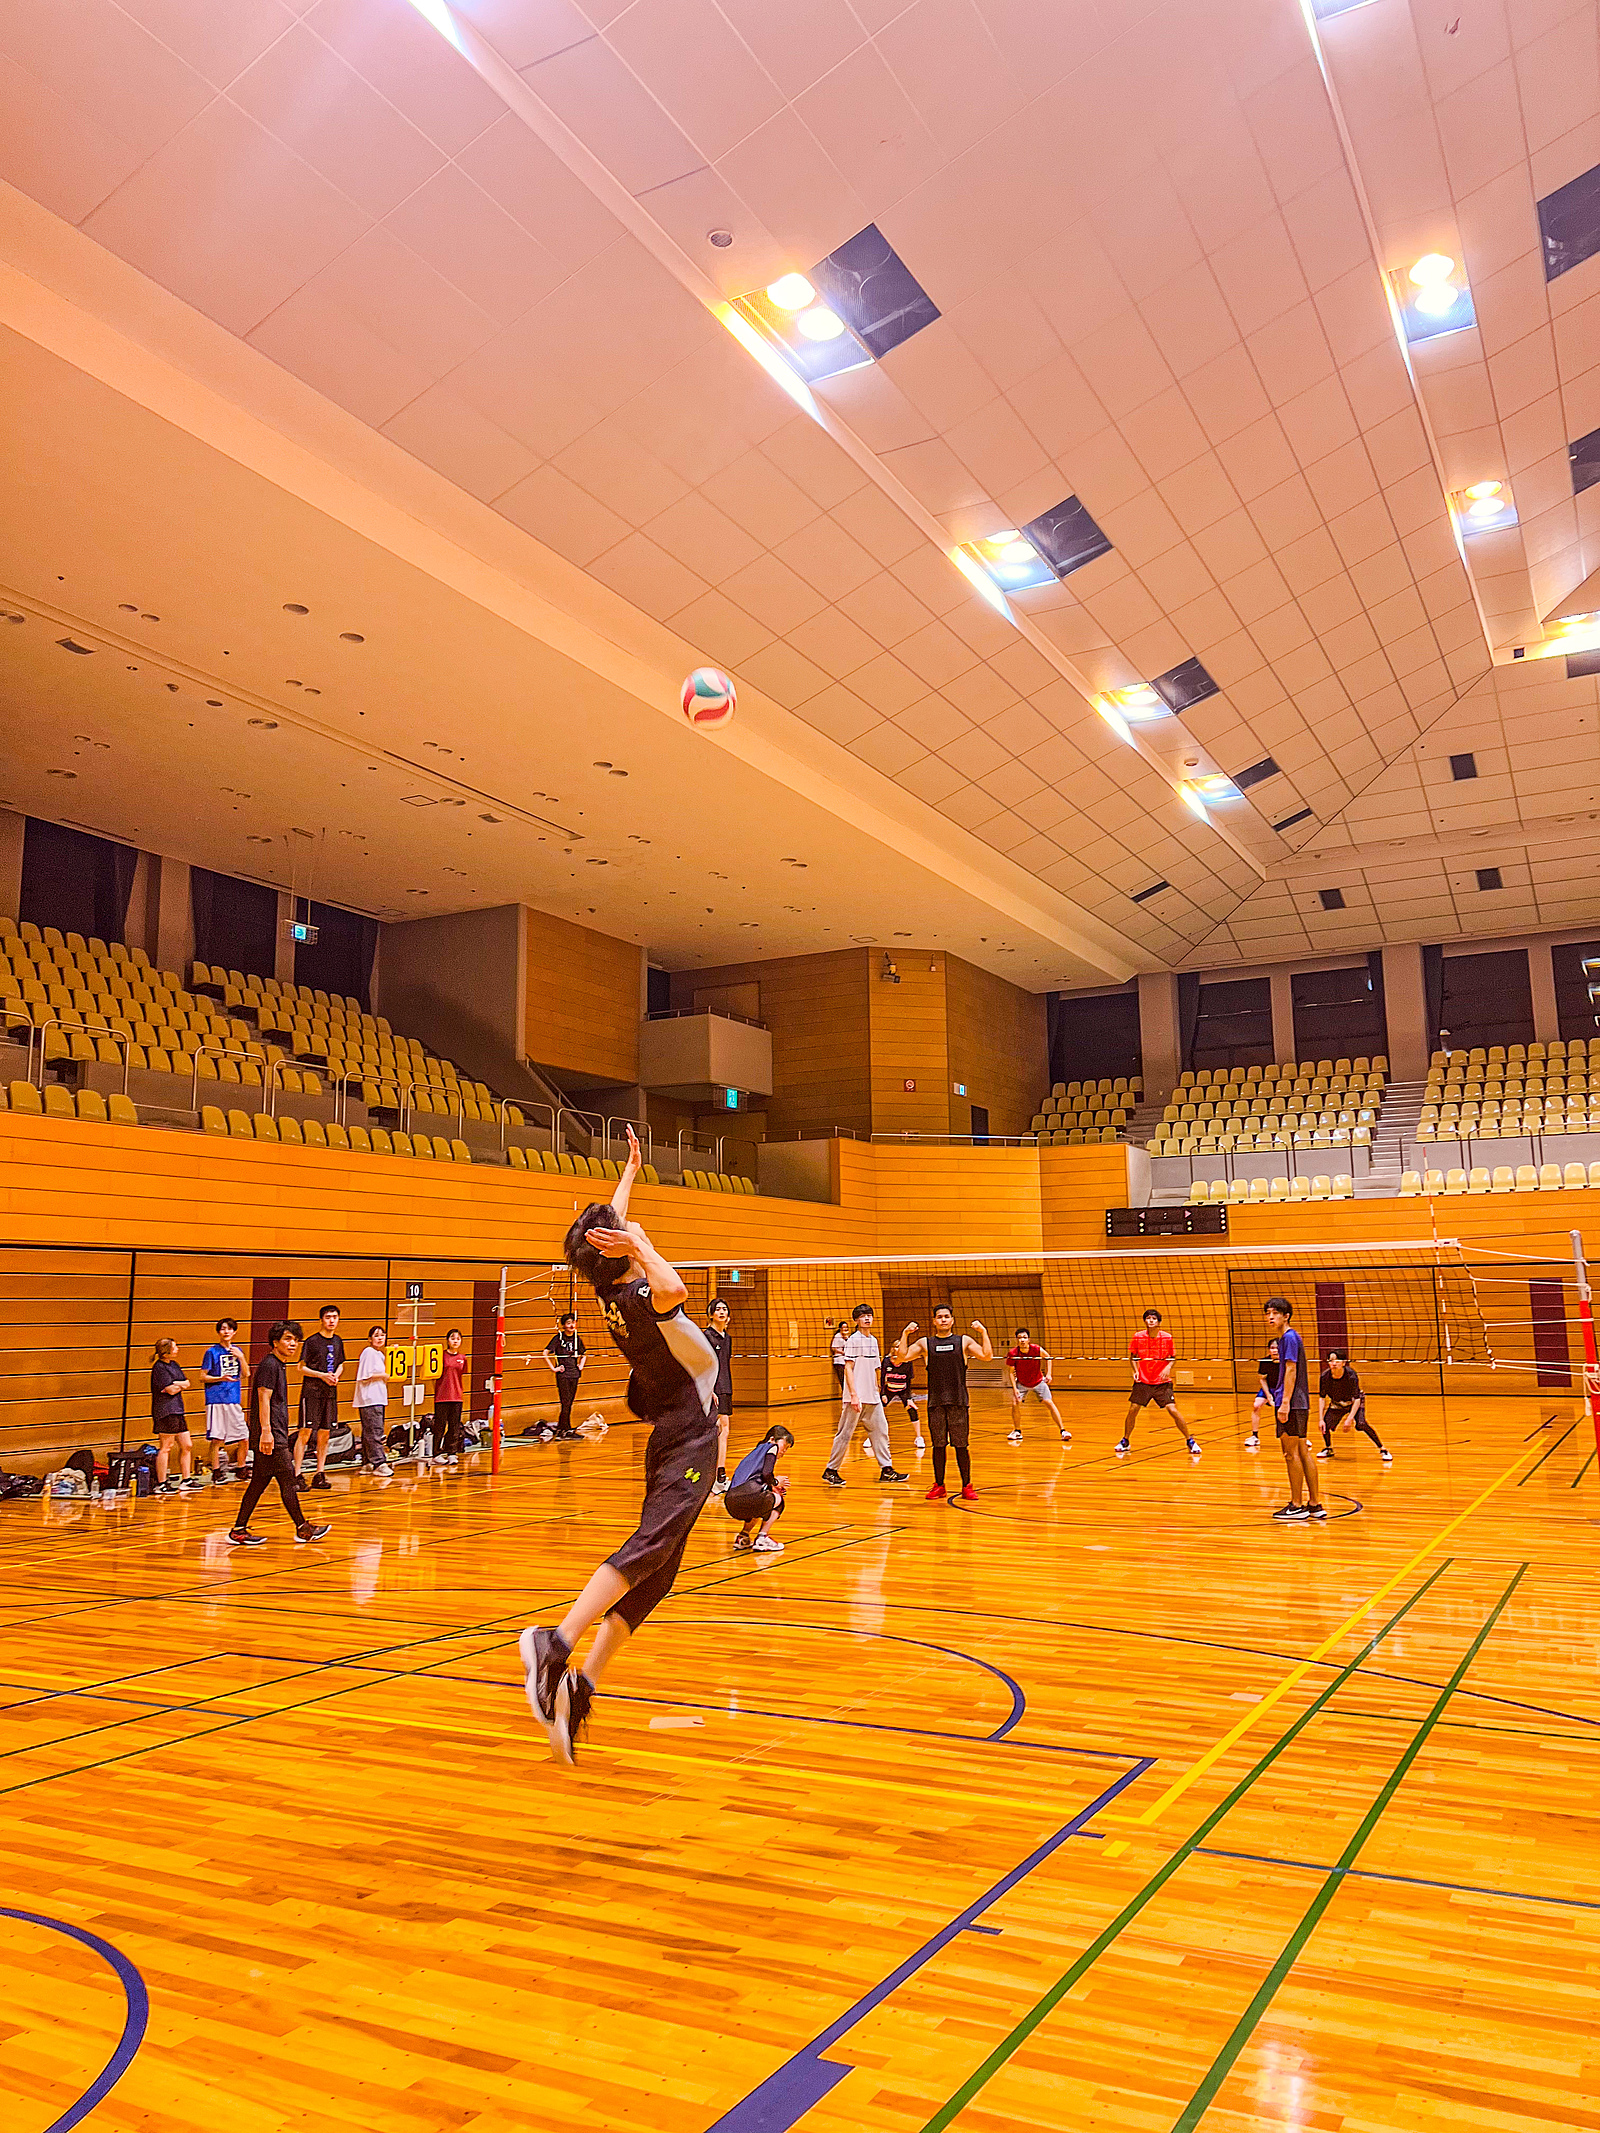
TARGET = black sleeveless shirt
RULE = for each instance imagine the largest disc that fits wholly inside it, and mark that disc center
(947, 1370)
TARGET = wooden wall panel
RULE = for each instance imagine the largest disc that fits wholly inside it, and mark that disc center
(816, 1008)
(908, 1045)
(584, 1000)
(998, 1046)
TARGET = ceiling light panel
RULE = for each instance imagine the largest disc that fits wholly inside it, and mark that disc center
(870, 287)
(1569, 223)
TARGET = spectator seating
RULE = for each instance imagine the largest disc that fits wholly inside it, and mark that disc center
(1507, 1091)
(1077, 1112)
(1333, 1103)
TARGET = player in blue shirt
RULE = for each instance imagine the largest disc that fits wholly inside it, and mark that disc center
(755, 1494)
(1283, 1368)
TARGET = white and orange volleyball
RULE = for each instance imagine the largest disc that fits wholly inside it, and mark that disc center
(708, 699)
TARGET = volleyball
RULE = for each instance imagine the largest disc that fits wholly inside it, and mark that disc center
(708, 699)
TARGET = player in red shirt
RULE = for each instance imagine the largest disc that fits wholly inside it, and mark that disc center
(1152, 1354)
(1028, 1366)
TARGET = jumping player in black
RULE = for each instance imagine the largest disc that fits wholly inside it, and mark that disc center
(947, 1354)
(671, 1385)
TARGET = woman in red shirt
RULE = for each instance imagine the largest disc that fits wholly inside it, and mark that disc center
(447, 1397)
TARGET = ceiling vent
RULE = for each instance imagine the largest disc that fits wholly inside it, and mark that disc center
(873, 290)
(1489, 878)
(1143, 896)
(1183, 685)
(1255, 774)
(1585, 457)
(1302, 814)
(1067, 537)
(68, 644)
(1569, 223)
(1463, 767)
(1581, 664)
(1331, 899)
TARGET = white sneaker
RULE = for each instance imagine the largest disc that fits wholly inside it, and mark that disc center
(719, 1488)
(1015, 1437)
(1387, 1458)
(921, 1444)
(1252, 1443)
(764, 1544)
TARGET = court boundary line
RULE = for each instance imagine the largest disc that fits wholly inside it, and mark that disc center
(136, 2020)
(1415, 1881)
(1302, 1667)
(1267, 1991)
(980, 2077)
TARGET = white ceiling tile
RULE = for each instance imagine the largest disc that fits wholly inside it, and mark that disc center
(870, 129)
(614, 115)
(459, 443)
(407, 61)
(698, 68)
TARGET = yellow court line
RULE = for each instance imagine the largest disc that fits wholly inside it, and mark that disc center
(1218, 1749)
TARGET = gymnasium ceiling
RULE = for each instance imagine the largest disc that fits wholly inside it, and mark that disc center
(407, 313)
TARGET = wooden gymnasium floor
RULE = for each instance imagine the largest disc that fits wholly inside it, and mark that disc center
(1072, 1810)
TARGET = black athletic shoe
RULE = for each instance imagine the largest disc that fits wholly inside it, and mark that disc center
(241, 1539)
(568, 1435)
(1289, 1511)
(580, 1694)
(1316, 1510)
(321, 1481)
(544, 1656)
(889, 1473)
(833, 1477)
(307, 1534)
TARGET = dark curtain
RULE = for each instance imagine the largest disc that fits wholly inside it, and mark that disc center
(1188, 1015)
(75, 881)
(235, 922)
(1094, 1034)
(340, 959)
(1433, 991)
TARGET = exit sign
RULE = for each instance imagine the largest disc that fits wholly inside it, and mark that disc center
(960, 1087)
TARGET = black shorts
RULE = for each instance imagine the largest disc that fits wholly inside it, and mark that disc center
(751, 1499)
(319, 1405)
(680, 1465)
(948, 1425)
(1296, 1423)
(907, 1400)
(1144, 1395)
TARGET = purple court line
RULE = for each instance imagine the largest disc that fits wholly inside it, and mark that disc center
(784, 2098)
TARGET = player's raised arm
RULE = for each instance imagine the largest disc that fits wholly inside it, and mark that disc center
(630, 1170)
(667, 1286)
(983, 1347)
(904, 1351)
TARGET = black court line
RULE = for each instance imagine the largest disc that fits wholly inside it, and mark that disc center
(1414, 1881)
(1550, 1454)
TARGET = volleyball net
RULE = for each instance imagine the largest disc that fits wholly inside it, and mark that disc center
(1413, 1317)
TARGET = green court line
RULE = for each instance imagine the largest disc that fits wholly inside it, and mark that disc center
(1200, 2102)
(980, 2078)
(1578, 1476)
(1565, 1434)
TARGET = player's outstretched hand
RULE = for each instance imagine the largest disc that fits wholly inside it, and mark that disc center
(634, 1157)
(618, 1243)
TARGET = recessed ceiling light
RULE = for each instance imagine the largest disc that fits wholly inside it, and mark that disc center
(791, 292)
(1480, 489)
(1431, 269)
(293, 607)
(416, 892)
(61, 773)
(820, 324)
(351, 637)
(1114, 719)
(597, 862)
(268, 725)
(600, 765)
(149, 618)
(291, 683)
(68, 644)
(213, 703)
(126, 607)
(720, 238)
(418, 799)
(16, 618)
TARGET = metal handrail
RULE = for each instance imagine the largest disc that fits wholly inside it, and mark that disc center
(591, 1121)
(524, 1104)
(714, 1151)
(685, 1014)
(966, 1140)
(218, 1051)
(85, 1029)
(636, 1123)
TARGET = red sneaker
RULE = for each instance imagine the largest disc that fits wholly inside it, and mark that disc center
(935, 1494)
(969, 1494)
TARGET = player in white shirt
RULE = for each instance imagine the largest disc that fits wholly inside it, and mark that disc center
(372, 1395)
(863, 1402)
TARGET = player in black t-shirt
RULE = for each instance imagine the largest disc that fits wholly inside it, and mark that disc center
(1344, 1405)
(719, 1320)
(671, 1385)
(267, 1420)
(897, 1380)
(321, 1367)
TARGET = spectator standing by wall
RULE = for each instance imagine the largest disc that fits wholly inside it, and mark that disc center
(224, 1369)
(447, 1398)
(372, 1401)
(565, 1353)
(268, 1423)
(167, 1388)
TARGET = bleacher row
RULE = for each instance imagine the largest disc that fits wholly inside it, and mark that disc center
(1076, 1112)
(1220, 1190)
(1507, 1092)
(1524, 1177)
(1333, 1103)
(598, 1166)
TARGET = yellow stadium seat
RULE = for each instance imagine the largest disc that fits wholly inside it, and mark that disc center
(548, 1160)
(1239, 1189)
(25, 1097)
(1344, 1186)
(460, 1152)
(568, 1166)
(122, 1112)
(1322, 1188)
(360, 1140)
(1300, 1188)
(337, 1136)
(609, 1169)
(264, 1126)
(1550, 1178)
(239, 1125)
(1575, 1174)
(1503, 1179)
(1218, 1191)
(652, 1176)
(1198, 1191)
(1279, 1189)
(312, 1133)
(422, 1147)
(382, 1141)
(1410, 1184)
(92, 1106)
(58, 1102)
(516, 1157)
(1260, 1188)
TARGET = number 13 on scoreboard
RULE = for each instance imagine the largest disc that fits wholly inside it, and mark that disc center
(428, 1355)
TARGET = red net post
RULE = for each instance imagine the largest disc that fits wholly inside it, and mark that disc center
(496, 1423)
(1591, 1363)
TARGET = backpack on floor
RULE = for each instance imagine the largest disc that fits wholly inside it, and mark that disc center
(409, 1440)
(342, 1447)
(82, 1462)
(15, 1485)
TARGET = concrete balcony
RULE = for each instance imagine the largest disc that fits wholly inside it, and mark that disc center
(697, 1057)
